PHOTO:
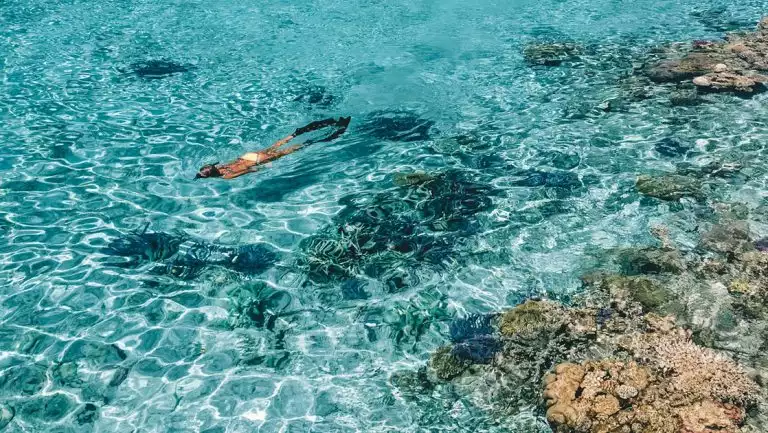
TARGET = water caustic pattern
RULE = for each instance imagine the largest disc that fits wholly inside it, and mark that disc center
(478, 171)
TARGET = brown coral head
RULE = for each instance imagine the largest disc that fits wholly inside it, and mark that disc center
(701, 44)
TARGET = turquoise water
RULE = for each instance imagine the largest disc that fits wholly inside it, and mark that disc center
(93, 154)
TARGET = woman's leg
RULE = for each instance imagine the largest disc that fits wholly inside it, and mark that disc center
(281, 142)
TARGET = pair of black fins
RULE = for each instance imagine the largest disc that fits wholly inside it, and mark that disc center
(341, 124)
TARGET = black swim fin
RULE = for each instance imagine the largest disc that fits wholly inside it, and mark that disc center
(342, 124)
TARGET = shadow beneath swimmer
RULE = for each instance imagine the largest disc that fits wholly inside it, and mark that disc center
(180, 257)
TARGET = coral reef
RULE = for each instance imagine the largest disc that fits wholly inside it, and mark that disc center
(531, 318)
(609, 362)
(727, 238)
(733, 65)
(613, 396)
(669, 384)
(746, 278)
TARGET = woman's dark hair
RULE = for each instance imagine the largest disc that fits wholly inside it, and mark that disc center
(209, 170)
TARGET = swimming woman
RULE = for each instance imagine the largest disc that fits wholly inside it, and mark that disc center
(249, 162)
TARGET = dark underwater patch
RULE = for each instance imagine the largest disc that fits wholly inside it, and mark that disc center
(257, 305)
(145, 246)
(480, 350)
(419, 222)
(671, 148)
(398, 125)
(718, 19)
(354, 289)
(315, 95)
(156, 69)
(472, 326)
(559, 179)
(180, 257)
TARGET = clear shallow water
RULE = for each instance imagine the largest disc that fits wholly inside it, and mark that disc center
(91, 152)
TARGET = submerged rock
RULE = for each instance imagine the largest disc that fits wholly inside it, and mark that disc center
(550, 54)
(685, 98)
(692, 65)
(650, 294)
(670, 187)
(414, 178)
(650, 260)
(446, 365)
(731, 82)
